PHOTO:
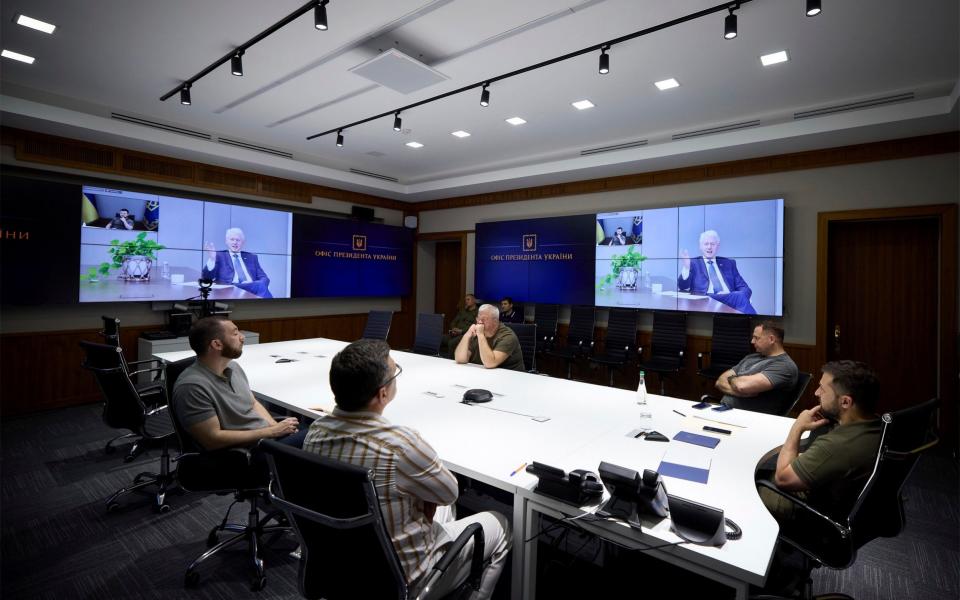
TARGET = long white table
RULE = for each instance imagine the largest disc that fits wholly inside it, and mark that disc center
(562, 423)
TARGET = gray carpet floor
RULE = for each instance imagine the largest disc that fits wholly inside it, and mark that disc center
(58, 541)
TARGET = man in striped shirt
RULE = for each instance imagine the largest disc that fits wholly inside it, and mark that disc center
(411, 480)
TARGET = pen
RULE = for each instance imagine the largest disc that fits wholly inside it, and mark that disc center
(518, 469)
(679, 413)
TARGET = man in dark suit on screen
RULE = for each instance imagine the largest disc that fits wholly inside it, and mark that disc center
(235, 267)
(714, 275)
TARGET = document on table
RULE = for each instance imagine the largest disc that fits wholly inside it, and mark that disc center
(685, 461)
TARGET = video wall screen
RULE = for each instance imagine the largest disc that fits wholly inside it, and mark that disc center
(536, 260)
(137, 247)
(707, 258)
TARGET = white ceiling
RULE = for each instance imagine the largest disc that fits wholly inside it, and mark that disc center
(120, 56)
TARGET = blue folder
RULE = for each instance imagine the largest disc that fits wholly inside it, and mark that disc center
(696, 474)
(696, 439)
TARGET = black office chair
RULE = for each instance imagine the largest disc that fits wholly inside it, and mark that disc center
(124, 408)
(667, 345)
(345, 550)
(227, 471)
(620, 341)
(545, 318)
(110, 331)
(527, 335)
(429, 334)
(378, 325)
(803, 379)
(579, 336)
(729, 344)
(833, 539)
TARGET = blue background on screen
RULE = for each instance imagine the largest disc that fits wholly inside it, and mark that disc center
(318, 276)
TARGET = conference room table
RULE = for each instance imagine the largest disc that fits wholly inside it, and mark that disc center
(566, 424)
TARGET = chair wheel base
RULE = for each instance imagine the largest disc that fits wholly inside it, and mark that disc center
(213, 538)
(162, 508)
(113, 507)
(191, 580)
(257, 583)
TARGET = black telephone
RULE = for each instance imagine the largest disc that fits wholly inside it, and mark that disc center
(578, 488)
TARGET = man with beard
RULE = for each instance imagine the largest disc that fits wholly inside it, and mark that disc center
(212, 398)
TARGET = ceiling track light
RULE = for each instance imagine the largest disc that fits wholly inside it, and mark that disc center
(236, 64)
(397, 123)
(320, 15)
(603, 47)
(813, 8)
(339, 138)
(604, 61)
(730, 23)
(185, 95)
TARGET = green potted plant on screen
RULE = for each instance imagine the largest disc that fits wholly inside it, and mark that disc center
(624, 270)
(134, 258)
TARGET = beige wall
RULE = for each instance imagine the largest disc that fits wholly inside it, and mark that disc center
(914, 181)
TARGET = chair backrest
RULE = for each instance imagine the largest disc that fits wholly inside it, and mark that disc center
(123, 407)
(582, 322)
(669, 337)
(429, 334)
(378, 325)
(730, 341)
(171, 373)
(790, 401)
(545, 318)
(527, 334)
(621, 333)
(345, 549)
(111, 331)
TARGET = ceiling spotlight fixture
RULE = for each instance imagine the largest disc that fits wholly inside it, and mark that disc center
(414, 144)
(582, 104)
(667, 84)
(185, 95)
(236, 64)
(730, 23)
(460, 133)
(17, 56)
(339, 138)
(604, 61)
(397, 123)
(485, 96)
(516, 121)
(774, 58)
(49, 28)
(813, 8)
(320, 15)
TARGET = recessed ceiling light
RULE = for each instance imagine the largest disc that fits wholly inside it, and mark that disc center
(516, 121)
(667, 84)
(460, 133)
(583, 104)
(415, 144)
(776, 57)
(17, 56)
(35, 24)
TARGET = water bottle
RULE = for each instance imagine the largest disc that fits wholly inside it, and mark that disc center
(165, 270)
(642, 391)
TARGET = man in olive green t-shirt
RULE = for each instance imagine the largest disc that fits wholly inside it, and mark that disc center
(832, 471)
(463, 320)
(490, 343)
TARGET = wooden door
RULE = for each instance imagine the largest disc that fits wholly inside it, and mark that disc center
(882, 303)
(448, 292)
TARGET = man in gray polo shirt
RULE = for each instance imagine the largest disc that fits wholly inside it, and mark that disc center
(762, 381)
(212, 398)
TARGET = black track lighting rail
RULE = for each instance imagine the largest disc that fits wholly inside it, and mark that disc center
(244, 46)
(726, 6)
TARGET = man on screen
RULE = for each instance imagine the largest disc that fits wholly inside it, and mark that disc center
(714, 275)
(236, 267)
(762, 381)
(123, 220)
(490, 343)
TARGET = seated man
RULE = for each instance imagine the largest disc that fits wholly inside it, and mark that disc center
(235, 265)
(490, 343)
(715, 276)
(411, 479)
(212, 398)
(833, 469)
(463, 320)
(123, 220)
(507, 312)
(762, 381)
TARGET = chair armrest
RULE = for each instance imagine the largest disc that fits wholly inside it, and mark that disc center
(709, 398)
(157, 369)
(475, 531)
(149, 360)
(156, 410)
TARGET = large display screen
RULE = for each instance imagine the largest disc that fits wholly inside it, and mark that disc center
(137, 246)
(536, 260)
(709, 258)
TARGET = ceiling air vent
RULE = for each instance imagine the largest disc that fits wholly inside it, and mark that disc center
(719, 129)
(254, 147)
(163, 126)
(399, 72)
(375, 175)
(838, 108)
(615, 147)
